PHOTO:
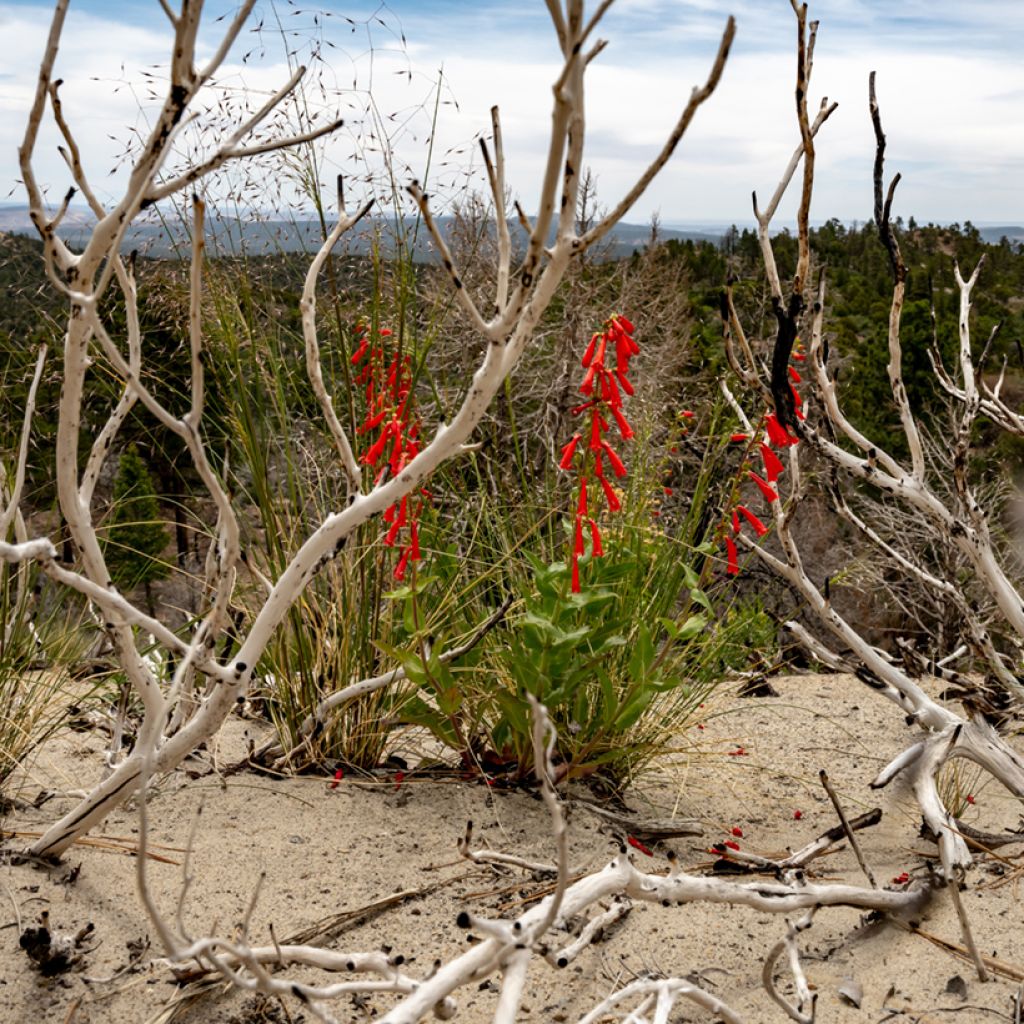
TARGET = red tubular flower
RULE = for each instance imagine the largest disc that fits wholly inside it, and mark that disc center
(777, 433)
(772, 464)
(581, 505)
(732, 566)
(610, 496)
(595, 540)
(637, 845)
(372, 457)
(360, 352)
(732, 844)
(759, 528)
(579, 547)
(372, 422)
(688, 414)
(403, 564)
(414, 541)
(575, 576)
(737, 438)
(588, 356)
(735, 522)
(794, 375)
(587, 386)
(596, 430)
(623, 380)
(624, 428)
(618, 468)
(568, 452)
(737, 832)
(766, 489)
(624, 323)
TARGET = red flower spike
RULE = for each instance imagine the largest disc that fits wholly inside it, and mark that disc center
(637, 845)
(766, 489)
(732, 557)
(568, 452)
(773, 466)
(610, 496)
(759, 528)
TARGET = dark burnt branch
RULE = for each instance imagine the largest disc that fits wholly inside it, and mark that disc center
(883, 207)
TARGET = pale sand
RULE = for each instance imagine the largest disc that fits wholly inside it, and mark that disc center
(325, 851)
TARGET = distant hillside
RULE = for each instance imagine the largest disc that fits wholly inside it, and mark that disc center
(266, 237)
(995, 235)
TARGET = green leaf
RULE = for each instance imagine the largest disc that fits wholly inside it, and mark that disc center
(691, 627)
(643, 653)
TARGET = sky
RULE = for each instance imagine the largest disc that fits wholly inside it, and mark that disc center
(423, 74)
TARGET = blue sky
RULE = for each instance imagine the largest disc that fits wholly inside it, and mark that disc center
(950, 79)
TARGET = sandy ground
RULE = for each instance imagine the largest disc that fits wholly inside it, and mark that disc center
(329, 851)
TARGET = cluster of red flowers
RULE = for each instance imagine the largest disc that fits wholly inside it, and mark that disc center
(392, 423)
(607, 364)
(775, 436)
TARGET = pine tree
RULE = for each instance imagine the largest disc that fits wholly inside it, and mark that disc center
(136, 536)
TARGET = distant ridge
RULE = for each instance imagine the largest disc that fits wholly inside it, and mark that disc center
(255, 237)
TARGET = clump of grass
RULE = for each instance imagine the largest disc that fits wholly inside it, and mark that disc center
(38, 646)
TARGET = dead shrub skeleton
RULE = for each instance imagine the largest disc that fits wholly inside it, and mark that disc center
(187, 710)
